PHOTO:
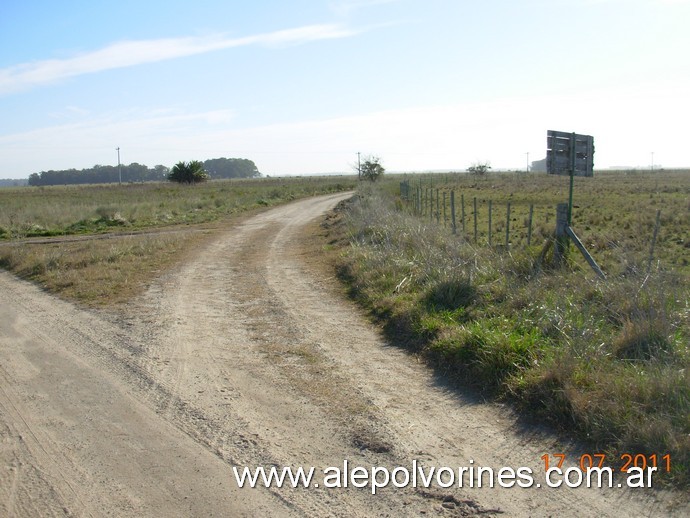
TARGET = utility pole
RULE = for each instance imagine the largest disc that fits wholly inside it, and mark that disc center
(359, 167)
(119, 167)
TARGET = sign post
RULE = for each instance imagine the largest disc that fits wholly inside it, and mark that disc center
(569, 154)
(573, 155)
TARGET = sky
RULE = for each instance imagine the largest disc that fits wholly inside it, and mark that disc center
(301, 86)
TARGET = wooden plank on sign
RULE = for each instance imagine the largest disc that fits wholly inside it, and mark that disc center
(559, 155)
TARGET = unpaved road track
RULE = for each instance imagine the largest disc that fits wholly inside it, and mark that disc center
(247, 355)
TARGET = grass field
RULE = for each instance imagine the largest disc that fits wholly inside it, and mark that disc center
(606, 360)
(105, 243)
(85, 209)
(614, 213)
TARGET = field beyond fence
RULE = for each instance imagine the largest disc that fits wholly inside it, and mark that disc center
(607, 360)
(618, 215)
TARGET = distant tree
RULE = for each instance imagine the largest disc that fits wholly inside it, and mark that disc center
(159, 173)
(480, 169)
(134, 172)
(231, 168)
(371, 169)
(188, 172)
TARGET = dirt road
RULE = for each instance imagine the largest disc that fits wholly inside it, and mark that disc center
(246, 356)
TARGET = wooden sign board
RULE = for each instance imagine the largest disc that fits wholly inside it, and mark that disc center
(566, 152)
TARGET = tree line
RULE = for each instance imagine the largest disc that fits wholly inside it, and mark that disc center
(216, 168)
(12, 182)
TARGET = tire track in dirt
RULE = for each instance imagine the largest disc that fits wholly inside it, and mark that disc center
(78, 436)
(246, 355)
(312, 383)
(222, 307)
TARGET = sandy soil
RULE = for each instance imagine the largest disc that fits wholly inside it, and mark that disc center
(248, 355)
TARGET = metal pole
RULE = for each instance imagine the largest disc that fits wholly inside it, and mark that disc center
(570, 199)
(359, 167)
(573, 156)
(119, 167)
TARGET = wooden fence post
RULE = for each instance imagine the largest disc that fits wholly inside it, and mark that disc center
(561, 244)
(452, 211)
(490, 211)
(475, 220)
(656, 233)
(462, 213)
(444, 209)
(529, 224)
(572, 235)
(508, 226)
(431, 205)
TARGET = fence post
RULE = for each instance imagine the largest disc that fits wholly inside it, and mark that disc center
(431, 205)
(508, 227)
(490, 214)
(438, 208)
(475, 220)
(462, 214)
(452, 211)
(529, 224)
(656, 233)
(561, 244)
(444, 209)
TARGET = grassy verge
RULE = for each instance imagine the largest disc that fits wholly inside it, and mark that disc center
(149, 227)
(87, 209)
(100, 272)
(607, 360)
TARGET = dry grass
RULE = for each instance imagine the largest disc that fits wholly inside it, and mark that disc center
(99, 272)
(609, 361)
(614, 213)
(120, 245)
(87, 209)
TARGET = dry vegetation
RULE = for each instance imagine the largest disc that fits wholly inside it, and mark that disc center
(614, 213)
(99, 272)
(86, 209)
(608, 360)
(104, 243)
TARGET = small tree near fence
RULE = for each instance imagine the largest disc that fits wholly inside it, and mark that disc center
(371, 169)
(479, 168)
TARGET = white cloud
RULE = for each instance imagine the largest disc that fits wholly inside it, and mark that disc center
(417, 138)
(130, 53)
